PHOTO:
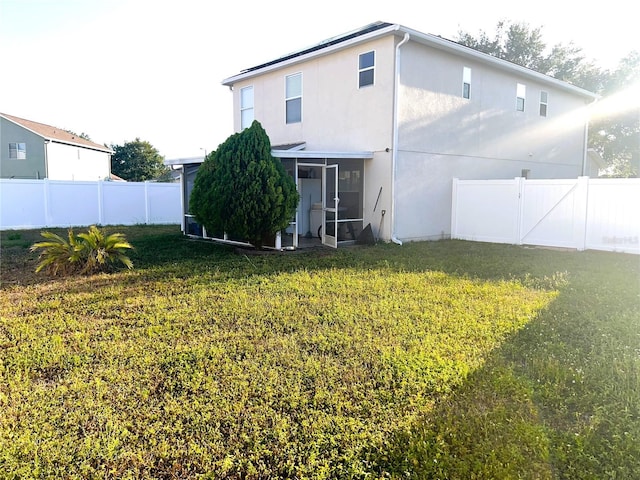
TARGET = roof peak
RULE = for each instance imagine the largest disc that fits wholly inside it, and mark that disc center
(49, 132)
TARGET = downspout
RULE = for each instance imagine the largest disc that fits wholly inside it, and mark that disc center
(586, 137)
(46, 159)
(394, 154)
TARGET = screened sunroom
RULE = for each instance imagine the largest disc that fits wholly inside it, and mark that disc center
(330, 210)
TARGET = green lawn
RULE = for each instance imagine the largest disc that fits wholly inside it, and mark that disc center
(448, 359)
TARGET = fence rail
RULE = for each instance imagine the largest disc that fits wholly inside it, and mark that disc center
(582, 213)
(26, 204)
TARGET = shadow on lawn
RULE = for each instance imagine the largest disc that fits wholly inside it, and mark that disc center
(558, 399)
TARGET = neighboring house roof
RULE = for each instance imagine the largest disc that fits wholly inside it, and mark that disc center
(55, 134)
(115, 178)
(380, 29)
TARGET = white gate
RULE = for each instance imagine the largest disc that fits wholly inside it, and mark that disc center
(583, 213)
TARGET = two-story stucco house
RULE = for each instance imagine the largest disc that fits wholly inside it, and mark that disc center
(35, 150)
(374, 125)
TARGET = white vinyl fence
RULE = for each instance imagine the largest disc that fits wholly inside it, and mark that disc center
(26, 204)
(582, 213)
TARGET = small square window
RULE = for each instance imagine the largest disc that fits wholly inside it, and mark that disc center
(18, 151)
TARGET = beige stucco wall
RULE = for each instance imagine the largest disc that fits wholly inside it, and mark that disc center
(336, 114)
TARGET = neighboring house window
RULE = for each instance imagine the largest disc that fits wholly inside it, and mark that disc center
(466, 82)
(293, 100)
(520, 96)
(366, 67)
(543, 103)
(246, 107)
(18, 151)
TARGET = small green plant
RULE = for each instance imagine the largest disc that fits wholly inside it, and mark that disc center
(85, 253)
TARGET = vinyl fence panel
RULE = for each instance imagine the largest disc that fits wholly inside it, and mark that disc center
(493, 219)
(553, 213)
(28, 204)
(582, 213)
(71, 203)
(614, 213)
(22, 203)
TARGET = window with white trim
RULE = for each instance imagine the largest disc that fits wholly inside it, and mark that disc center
(466, 82)
(246, 107)
(544, 97)
(293, 98)
(521, 93)
(18, 151)
(366, 68)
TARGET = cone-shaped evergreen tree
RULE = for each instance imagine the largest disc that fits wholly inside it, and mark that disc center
(242, 190)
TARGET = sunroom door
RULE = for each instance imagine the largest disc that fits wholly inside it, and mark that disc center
(330, 202)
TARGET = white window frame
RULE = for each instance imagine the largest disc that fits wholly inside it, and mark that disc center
(544, 102)
(371, 68)
(246, 111)
(288, 98)
(466, 82)
(521, 96)
(17, 150)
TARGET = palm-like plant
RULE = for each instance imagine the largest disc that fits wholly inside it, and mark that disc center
(88, 252)
(58, 255)
(102, 251)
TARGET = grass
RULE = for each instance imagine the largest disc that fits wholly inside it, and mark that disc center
(432, 360)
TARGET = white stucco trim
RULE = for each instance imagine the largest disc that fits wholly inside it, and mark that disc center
(320, 154)
(283, 154)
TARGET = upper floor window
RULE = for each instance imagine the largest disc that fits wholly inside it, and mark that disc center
(18, 151)
(246, 107)
(466, 82)
(366, 67)
(293, 98)
(521, 93)
(544, 96)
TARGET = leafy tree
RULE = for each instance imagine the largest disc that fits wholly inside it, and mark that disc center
(242, 190)
(615, 136)
(137, 161)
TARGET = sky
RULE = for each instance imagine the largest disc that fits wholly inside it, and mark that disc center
(118, 70)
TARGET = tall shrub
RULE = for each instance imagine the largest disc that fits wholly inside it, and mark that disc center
(242, 190)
